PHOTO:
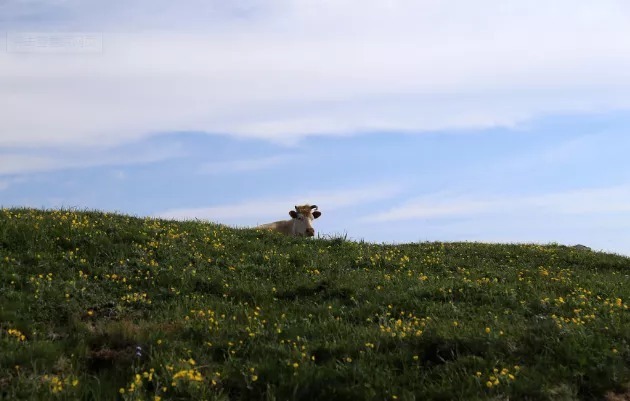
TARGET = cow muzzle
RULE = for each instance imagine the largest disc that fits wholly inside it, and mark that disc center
(310, 232)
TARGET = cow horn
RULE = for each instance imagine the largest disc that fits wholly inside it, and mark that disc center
(314, 207)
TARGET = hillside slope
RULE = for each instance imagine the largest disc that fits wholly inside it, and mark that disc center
(103, 306)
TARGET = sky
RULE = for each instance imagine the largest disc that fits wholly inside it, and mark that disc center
(404, 121)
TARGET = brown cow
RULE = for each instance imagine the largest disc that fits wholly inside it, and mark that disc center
(300, 224)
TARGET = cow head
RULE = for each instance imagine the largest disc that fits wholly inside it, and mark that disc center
(303, 217)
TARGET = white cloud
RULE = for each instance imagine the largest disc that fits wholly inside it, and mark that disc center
(284, 69)
(588, 149)
(27, 163)
(253, 211)
(575, 202)
(119, 174)
(596, 217)
(243, 165)
(7, 182)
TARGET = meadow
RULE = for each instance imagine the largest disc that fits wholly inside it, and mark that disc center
(99, 306)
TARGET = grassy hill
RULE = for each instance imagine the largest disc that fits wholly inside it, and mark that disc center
(104, 306)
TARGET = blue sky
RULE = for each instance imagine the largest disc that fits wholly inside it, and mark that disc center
(404, 121)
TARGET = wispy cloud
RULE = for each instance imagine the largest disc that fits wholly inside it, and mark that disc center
(257, 210)
(285, 69)
(25, 162)
(9, 181)
(582, 148)
(245, 165)
(575, 202)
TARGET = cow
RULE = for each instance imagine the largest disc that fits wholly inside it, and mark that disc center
(300, 224)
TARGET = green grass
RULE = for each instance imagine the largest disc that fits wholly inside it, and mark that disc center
(103, 306)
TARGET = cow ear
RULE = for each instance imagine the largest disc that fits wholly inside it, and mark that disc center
(293, 214)
(316, 214)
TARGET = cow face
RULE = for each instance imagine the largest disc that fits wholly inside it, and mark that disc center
(303, 217)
